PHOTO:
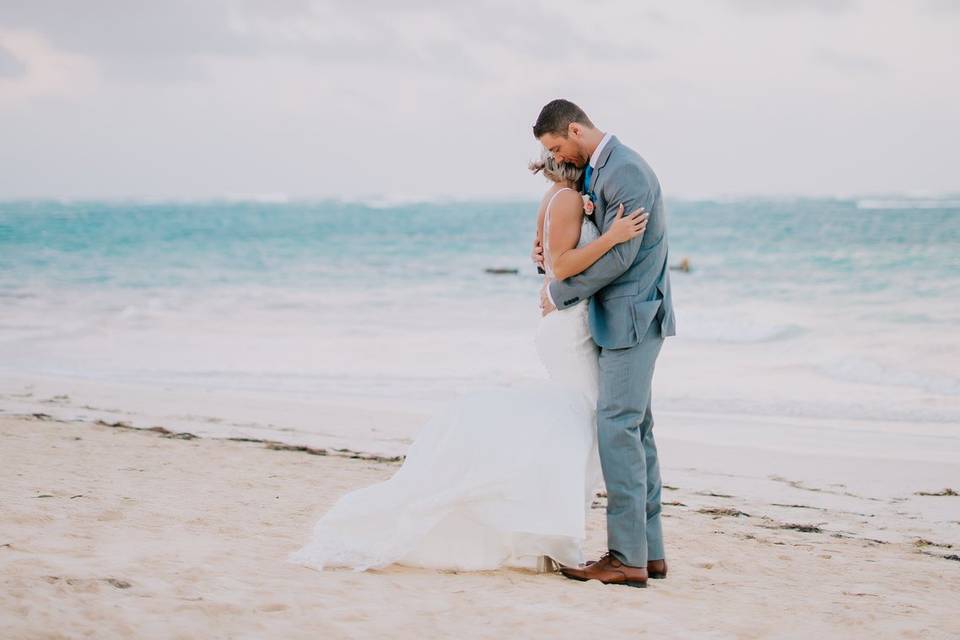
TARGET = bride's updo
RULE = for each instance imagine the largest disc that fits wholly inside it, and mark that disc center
(553, 170)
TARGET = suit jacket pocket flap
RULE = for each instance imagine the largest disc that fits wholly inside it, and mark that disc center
(643, 315)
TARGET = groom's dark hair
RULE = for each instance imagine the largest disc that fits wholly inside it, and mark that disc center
(556, 116)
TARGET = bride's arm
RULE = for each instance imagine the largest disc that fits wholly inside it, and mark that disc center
(566, 219)
(536, 254)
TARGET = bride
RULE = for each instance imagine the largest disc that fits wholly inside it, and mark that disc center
(503, 477)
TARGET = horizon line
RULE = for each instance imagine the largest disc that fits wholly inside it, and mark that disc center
(385, 200)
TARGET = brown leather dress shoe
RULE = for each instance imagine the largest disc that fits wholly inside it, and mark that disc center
(656, 569)
(609, 570)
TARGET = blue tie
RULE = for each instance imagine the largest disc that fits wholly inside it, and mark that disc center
(586, 178)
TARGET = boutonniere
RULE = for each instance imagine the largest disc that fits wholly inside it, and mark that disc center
(588, 204)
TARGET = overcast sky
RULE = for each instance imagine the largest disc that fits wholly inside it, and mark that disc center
(425, 99)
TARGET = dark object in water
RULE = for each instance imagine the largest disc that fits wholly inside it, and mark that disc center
(497, 271)
(683, 266)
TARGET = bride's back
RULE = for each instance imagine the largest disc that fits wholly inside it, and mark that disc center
(587, 233)
(563, 339)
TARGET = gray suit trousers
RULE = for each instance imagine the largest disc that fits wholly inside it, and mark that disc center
(628, 452)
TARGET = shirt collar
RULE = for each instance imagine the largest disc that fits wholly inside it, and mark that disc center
(596, 152)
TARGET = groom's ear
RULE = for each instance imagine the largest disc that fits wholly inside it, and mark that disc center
(574, 130)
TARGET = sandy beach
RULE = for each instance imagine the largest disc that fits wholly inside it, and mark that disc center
(114, 532)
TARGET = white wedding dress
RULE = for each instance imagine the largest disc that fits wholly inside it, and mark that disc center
(501, 478)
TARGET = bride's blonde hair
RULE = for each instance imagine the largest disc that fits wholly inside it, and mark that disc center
(553, 170)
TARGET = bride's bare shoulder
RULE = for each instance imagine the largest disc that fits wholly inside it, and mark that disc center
(567, 205)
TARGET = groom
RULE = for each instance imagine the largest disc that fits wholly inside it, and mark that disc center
(630, 314)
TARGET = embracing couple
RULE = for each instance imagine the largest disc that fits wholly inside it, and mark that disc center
(506, 477)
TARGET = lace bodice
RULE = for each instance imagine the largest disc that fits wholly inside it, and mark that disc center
(588, 233)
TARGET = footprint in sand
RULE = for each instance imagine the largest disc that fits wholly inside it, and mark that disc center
(111, 515)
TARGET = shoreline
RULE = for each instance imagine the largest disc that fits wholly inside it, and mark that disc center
(867, 474)
(275, 445)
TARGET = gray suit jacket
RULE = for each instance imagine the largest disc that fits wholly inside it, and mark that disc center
(629, 286)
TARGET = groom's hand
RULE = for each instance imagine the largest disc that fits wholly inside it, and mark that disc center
(545, 305)
(537, 253)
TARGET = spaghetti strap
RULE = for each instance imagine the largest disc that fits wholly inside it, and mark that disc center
(553, 197)
(546, 231)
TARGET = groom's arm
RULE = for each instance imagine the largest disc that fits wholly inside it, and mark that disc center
(628, 186)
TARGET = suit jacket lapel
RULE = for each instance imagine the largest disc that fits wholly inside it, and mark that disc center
(607, 150)
(602, 160)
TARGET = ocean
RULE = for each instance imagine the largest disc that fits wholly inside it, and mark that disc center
(810, 308)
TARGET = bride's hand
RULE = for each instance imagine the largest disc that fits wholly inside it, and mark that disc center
(627, 227)
(546, 306)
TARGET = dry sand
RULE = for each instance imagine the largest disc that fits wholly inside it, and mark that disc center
(109, 532)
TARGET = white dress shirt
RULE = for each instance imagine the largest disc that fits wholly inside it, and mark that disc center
(596, 152)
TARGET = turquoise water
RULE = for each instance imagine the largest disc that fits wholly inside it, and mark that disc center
(765, 248)
(818, 308)
(778, 247)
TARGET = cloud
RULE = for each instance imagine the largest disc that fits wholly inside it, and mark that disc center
(108, 27)
(773, 7)
(850, 62)
(10, 65)
(35, 68)
(133, 40)
(174, 40)
(943, 6)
